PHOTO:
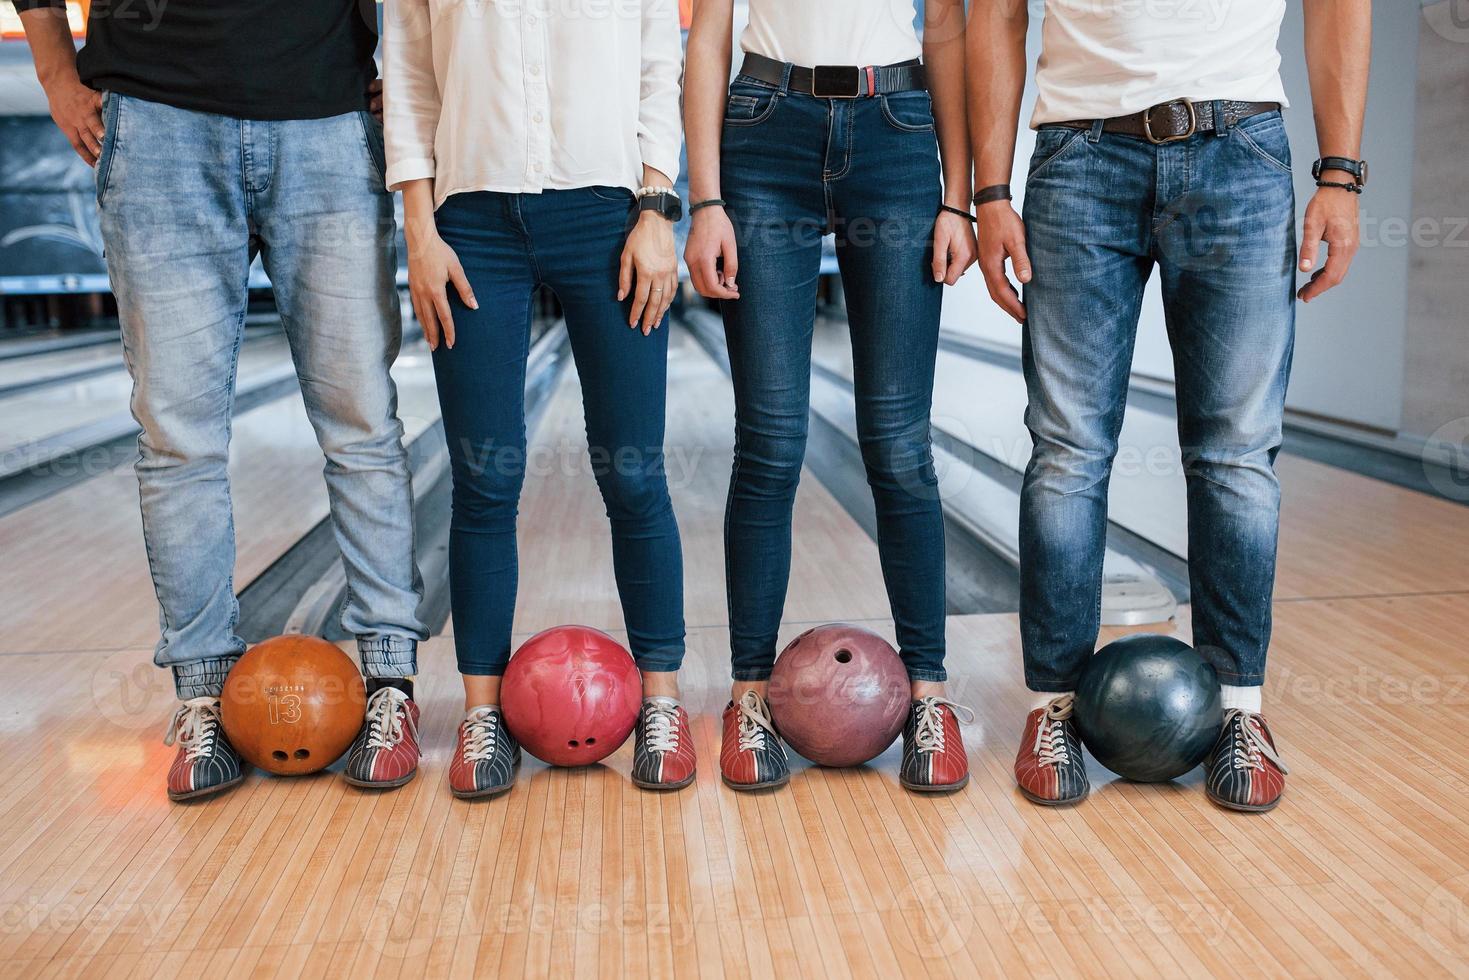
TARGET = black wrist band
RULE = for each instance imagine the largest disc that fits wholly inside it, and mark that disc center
(994, 192)
(711, 202)
(1354, 188)
(961, 213)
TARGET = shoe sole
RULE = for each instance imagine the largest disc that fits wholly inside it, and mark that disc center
(661, 787)
(381, 783)
(755, 787)
(939, 788)
(1245, 807)
(197, 794)
(1042, 801)
(482, 794)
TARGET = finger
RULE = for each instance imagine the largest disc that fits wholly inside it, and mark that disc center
(624, 276)
(940, 265)
(97, 101)
(657, 292)
(640, 299)
(1331, 275)
(375, 86)
(461, 286)
(424, 311)
(731, 256)
(1311, 240)
(97, 128)
(90, 140)
(445, 315)
(1019, 259)
(705, 277)
(1003, 293)
(83, 150)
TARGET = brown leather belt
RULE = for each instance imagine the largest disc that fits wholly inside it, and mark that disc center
(1177, 119)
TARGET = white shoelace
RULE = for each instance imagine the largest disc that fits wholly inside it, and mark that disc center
(387, 714)
(481, 729)
(660, 725)
(754, 722)
(1251, 747)
(194, 727)
(928, 733)
(1050, 737)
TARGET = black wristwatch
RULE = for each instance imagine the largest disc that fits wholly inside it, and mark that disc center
(1357, 168)
(665, 203)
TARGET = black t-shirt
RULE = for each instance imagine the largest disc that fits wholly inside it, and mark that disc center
(254, 59)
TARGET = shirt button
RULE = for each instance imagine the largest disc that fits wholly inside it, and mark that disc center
(530, 21)
(535, 69)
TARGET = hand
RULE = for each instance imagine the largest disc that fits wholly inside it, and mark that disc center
(711, 255)
(1331, 217)
(649, 271)
(953, 247)
(375, 98)
(77, 112)
(1001, 237)
(431, 263)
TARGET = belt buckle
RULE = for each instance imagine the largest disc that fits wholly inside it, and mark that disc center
(836, 82)
(1193, 122)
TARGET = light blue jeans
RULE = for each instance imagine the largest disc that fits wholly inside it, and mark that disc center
(187, 199)
(1215, 215)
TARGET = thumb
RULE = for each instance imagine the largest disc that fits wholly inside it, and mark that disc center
(1311, 240)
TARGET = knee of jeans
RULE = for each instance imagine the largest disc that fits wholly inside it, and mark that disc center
(183, 431)
(898, 453)
(1067, 468)
(633, 494)
(360, 445)
(769, 466)
(1236, 466)
(487, 500)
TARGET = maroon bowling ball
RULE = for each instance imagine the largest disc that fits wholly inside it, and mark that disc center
(839, 694)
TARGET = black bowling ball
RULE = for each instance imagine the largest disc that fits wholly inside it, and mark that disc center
(1147, 707)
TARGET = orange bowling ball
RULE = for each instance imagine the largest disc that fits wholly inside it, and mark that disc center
(293, 704)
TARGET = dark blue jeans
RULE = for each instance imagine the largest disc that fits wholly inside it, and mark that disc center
(571, 241)
(1216, 215)
(794, 166)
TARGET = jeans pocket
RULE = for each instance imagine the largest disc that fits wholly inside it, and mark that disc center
(1266, 139)
(372, 137)
(749, 105)
(908, 112)
(1052, 143)
(111, 112)
(617, 195)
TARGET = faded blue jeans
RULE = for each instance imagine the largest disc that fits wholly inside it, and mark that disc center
(187, 199)
(793, 167)
(1215, 214)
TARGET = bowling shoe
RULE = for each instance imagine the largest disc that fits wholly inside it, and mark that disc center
(752, 756)
(385, 753)
(663, 748)
(485, 757)
(206, 761)
(934, 760)
(1245, 771)
(1049, 768)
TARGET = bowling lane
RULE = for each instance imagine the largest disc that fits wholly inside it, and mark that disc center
(75, 575)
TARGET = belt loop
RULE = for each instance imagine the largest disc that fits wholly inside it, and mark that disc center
(1096, 132)
(1221, 122)
(785, 78)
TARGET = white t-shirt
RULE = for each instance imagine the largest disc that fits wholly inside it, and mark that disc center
(833, 32)
(1104, 58)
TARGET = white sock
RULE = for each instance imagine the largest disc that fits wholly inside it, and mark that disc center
(480, 707)
(1039, 699)
(1244, 698)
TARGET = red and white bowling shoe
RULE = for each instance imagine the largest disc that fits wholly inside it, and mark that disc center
(1049, 767)
(934, 760)
(663, 747)
(385, 753)
(1245, 771)
(751, 756)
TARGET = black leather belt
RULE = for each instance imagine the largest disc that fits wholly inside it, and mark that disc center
(1177, 119)
(838, 81)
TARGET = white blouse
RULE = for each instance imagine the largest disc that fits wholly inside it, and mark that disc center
(523, 96)
(833, 32)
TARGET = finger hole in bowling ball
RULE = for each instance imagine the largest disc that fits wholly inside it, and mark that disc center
(279, 756)
(572, 743)
(844, 656)
(303, 753)
(591, 741)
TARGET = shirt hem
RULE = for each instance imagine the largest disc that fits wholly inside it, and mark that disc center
(312, 110)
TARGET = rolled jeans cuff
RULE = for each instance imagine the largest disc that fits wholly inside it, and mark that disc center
(202, 678)
(752, 674)
(388, 656)
(928, 675)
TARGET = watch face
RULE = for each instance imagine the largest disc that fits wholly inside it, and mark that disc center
(1362, 175)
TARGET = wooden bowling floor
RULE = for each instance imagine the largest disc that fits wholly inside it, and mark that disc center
(1362, 871)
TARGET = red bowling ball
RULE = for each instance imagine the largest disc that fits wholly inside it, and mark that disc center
(839, 695)
(571, 695)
